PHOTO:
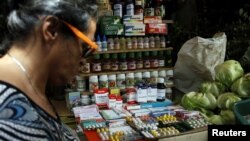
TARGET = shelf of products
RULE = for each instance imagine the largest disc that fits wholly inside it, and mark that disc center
(130, 78)
(134, 50)
(128, 71)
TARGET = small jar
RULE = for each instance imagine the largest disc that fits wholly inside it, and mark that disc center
(153, 77)
(131, 61)
(139, 60)
(114, 62)
(85, 100)
(93, 83)
(138, 78)
(130, 80)
(106, 62)
(146, 77)
(80, 83)
(121, 81)
(146, 60)
(123, 65)
(103, 81)
(112, 81)
(93, 99)
(96, 65)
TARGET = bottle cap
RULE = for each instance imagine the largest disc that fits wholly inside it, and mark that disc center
(162, 73)
(138, 55)
(103, 77)
(84, 96)
(146, 74)
(123, 56)
(96, 56)
(121, 76)
(154, 73)
(79, 78)
(112, 77)
(93, 78)
(138, 74)
(114, 56)
(130, 75)
(131, 55)
(160, 80)
(106, 56)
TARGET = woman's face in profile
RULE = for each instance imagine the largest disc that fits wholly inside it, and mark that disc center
(69, 57)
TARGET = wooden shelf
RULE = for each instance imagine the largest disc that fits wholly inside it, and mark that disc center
(128, 71)
(168, 21)
(91, 93)
(134, 50)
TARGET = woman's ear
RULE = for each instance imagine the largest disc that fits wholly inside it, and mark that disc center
(50, 28)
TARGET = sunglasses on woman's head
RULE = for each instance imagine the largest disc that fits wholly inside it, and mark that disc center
(88, 46)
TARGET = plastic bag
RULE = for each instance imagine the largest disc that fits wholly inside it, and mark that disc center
(196, 61)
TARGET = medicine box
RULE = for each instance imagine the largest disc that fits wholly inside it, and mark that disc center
(113, 29)
(133, 19)
(134, 29)
(72, 99)
(156, 28)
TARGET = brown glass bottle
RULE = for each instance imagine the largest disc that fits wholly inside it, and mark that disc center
(106, 63)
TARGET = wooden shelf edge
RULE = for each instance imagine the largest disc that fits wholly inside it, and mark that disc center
(168, 21)
(134, 50)
(128, 71)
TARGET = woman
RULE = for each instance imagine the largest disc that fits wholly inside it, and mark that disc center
(44, 46)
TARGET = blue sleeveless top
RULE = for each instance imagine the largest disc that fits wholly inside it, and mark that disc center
(21, 119)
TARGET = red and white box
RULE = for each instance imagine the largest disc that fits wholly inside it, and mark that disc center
(156, 28)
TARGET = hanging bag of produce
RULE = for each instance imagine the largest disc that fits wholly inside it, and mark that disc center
(196, 61)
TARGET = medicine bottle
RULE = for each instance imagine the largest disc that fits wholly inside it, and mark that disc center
(121, 81)
(161, 59)
(106, 63)
(131, 61)
(157, 41)
(138, 7)
(146, 42)
(122, 41)
(140, 43)
(123, 65)
(117, 8)
(114, 62)
(93, 83)
(128, 43)
(130, 7)
(154, 62)
(104, 43)
(99, 42)
(116, 43)
(149, 10)
(103, 81)
(85, 100)
(96, 64)
(139, 61)
(110, 43)
(134, 43)
(138, 78)
(112, 81)
(161, 90)
(130, 80)
(146, 60)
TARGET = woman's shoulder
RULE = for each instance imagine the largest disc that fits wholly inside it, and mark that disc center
(20, 119)
(9, 92)
(14, 104)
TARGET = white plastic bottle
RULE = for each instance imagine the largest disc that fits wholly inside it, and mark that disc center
(117, 8)
(104, 43)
